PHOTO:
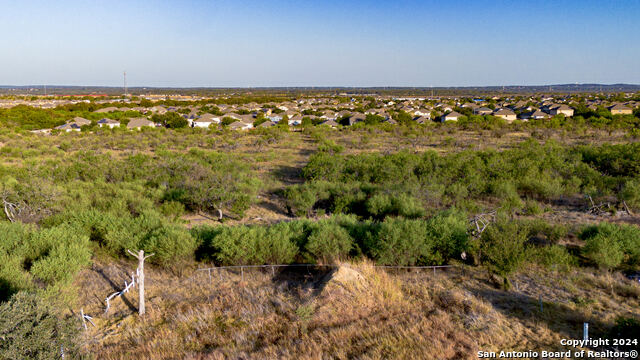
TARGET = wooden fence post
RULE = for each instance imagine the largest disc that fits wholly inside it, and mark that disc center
(141, 258)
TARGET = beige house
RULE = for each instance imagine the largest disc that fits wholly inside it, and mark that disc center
(138, 123)
(506, 114)
(620, 109)
(563, 109)
(267, 124)
(80, 121)
(452, 116)
(239, 125)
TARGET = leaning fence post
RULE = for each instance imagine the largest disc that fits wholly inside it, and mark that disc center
(210, 279)
(242, 273)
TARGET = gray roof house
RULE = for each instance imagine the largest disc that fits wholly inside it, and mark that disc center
(482, 111)
(138, 123)
(330, 123)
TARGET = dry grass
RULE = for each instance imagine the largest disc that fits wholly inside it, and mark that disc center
(358, 312)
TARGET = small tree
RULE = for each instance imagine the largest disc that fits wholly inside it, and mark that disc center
(503, 248)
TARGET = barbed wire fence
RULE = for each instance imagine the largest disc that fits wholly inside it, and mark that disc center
(218, 272)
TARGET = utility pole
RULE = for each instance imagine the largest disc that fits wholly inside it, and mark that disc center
(141, 258)
(125, 83)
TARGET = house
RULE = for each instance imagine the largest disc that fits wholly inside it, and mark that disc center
(210, 117)
(295, 120)
(41, 131)
(563, 109)
(160, 110)
(421, 120)
(106, 110)
(356, 118)
(190, 118)
(444, 107)
(239, 125)
(329, 115)
(330, 123)
(80, 121)
(138, 123)
(423, 112)
(452, 116)
(139, 109)
(535, 115)
(620, 109)
(68, 127)
(242, 118)
(202, 123)
(393, 122)
(109, 123)
(267, 124)
(342, 114)
(506, 114)
(482, 111)
(275, 118)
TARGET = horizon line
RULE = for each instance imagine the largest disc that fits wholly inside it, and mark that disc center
(323, 86)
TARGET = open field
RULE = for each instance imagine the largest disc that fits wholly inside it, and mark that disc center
(355, 312)
(559, 205)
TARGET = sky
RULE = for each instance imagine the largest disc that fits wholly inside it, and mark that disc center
(236, 43)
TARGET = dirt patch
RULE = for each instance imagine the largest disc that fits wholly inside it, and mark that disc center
(345, 276)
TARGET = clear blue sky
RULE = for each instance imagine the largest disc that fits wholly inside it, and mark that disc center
(319, 43)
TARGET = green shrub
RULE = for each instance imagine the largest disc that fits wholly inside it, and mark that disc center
(67, 253)
(328, 242)
(246, 245)
(169, 243)
(503, 248)
(29, 329)
(400, 242)
(541, 232)
(609, 245)
(300, 199)
(14, 251)
(554, 257)
(626, 328)
(631, 194)
(172, 209)
(532, 207)
(380, 206)
(280, 242)
(447, 231)
(52, 255)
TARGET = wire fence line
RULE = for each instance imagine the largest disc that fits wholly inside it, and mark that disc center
(209, 270)
(230, 268)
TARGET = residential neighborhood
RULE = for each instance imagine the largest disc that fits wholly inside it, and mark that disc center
(333, 111)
